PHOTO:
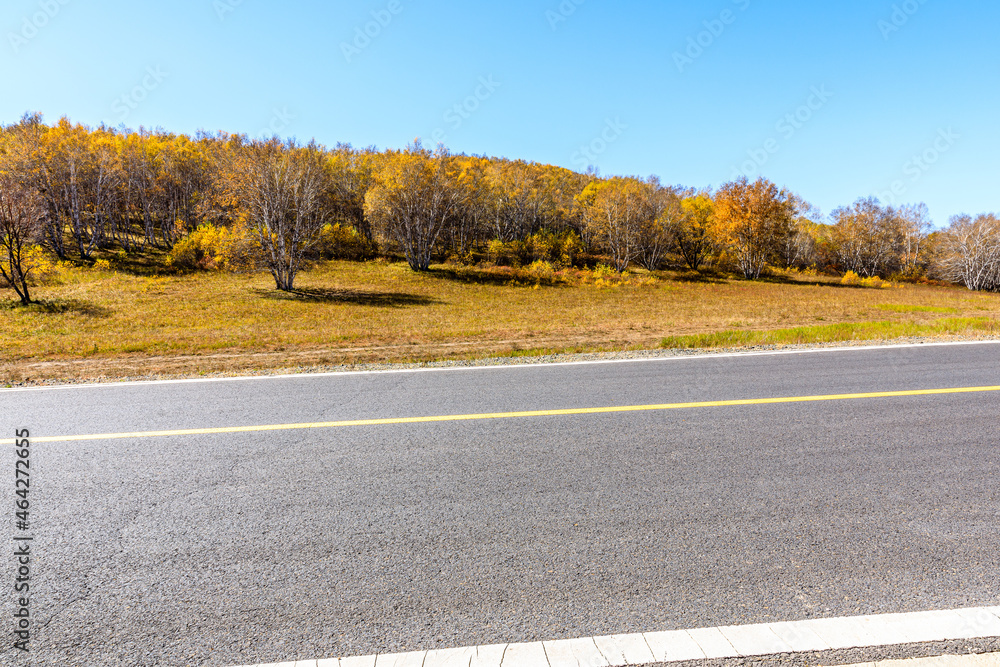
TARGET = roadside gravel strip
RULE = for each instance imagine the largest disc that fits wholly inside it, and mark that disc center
(526, 360)
(984, 660)
(825, 641)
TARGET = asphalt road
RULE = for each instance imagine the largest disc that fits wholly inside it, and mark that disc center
(239, 548)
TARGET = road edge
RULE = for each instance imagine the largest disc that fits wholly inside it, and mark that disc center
(496, 363)
(812, 638)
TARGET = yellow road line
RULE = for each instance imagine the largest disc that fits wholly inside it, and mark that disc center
(508, 415)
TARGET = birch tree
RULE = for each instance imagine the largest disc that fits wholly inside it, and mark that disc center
(753, 220)
(915, 225)
(280, 187)
(970, 251)
(22, 215)
(414, 197)
(866, 238)
(615, 211)
(660, 212)
(691, 233)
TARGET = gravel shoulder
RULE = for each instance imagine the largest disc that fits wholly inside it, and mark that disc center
(979, 651)
(146, 368)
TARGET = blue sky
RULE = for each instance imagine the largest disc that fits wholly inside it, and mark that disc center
(834, 100)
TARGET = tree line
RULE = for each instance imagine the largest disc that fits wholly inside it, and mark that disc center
(71, 191)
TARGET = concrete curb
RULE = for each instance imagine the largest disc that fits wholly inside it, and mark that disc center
(767, 639)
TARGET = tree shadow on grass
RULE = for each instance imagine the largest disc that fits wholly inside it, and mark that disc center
(348, 296)
(146, 262)
(838, 285)
(58, 307)
(780, 279)
(146, 267)
(819, 283)
(708, 277)
(500, 277)
(700, 277)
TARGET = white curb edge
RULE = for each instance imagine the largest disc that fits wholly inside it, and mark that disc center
(553, 364)
(822, 634)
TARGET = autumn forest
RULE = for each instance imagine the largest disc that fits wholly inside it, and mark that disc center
(226, 202)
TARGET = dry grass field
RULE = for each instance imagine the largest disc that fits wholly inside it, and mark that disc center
(93, 323)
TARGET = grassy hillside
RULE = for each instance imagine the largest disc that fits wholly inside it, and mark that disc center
(94, 322)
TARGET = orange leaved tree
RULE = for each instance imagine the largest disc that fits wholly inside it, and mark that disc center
(753, 220)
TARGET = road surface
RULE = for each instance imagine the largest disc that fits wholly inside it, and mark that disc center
(228, 548)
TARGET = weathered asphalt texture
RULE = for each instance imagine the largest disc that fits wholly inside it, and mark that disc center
(260, 547)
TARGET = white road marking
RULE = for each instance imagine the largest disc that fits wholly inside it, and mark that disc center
(713, 643)
(755, 640)
(725, 642)
(554, 364)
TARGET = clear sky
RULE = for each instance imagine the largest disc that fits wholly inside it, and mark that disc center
(834, 100)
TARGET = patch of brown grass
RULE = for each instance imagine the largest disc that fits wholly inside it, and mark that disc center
(376, 311)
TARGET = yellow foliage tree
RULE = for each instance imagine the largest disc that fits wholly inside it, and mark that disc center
(752, 219)
(415, 195)
(691, 235)
(616, 211)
